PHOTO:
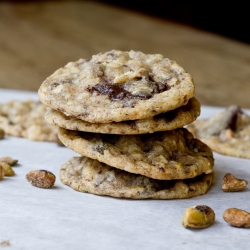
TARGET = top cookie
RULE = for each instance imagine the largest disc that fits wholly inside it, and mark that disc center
(116, 86)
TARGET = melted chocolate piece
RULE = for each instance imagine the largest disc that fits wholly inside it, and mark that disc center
(118, 92)
(100, 150)
(45, 171)
(234, 111)
(191, 144)
(54, 85)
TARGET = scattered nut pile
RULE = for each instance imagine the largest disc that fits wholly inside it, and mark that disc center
(38, 178)
(202, 216)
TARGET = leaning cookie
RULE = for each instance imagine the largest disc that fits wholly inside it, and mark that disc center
(87, 175)
(167, 155)
(227, 132)
(167, 121)
(117, 86)
(26, 119)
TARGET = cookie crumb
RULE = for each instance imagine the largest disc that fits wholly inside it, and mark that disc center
(5, 243)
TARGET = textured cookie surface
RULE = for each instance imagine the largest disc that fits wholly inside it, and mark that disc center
(26, 119)
(170, 120)
(227, 132)
(87, 175)
(174, 154)
(117, 86)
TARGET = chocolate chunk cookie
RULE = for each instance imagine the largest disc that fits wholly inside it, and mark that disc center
(227, 132)
(167, 155)
(117, 86)
(26, 119)
(170, 120)
(87, 175)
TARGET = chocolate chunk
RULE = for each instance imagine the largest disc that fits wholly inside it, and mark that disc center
(118, 91)
(233, 110)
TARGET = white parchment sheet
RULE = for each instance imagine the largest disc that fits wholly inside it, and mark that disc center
(61, 218)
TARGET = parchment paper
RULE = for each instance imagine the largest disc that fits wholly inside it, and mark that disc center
(61, 218)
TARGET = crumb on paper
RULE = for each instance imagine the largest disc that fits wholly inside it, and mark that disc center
(5, 243)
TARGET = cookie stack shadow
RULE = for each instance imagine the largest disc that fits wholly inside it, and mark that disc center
(152, 157)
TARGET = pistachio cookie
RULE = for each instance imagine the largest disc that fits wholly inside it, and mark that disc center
(117, 86)
(26, 119)
(227, 132)
(173, 119)
(167, 155)
(87, 175)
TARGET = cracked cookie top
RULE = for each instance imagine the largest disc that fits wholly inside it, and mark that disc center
(117, 85)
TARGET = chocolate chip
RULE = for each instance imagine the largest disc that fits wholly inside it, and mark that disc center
(100, 149)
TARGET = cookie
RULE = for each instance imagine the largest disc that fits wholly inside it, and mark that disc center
(170, 120)
(87, 175)
(227, 132)
(117, 86)
(167, 155)
(26, 119)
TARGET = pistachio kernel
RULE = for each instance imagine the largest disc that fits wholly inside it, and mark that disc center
(2, 133)
(200, 216)
(41, 178)
(232, 184)
(9, 160)
(237, 217)
(2, 172)
(8, 171)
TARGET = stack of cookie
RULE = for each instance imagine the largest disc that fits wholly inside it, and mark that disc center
(125, 113)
